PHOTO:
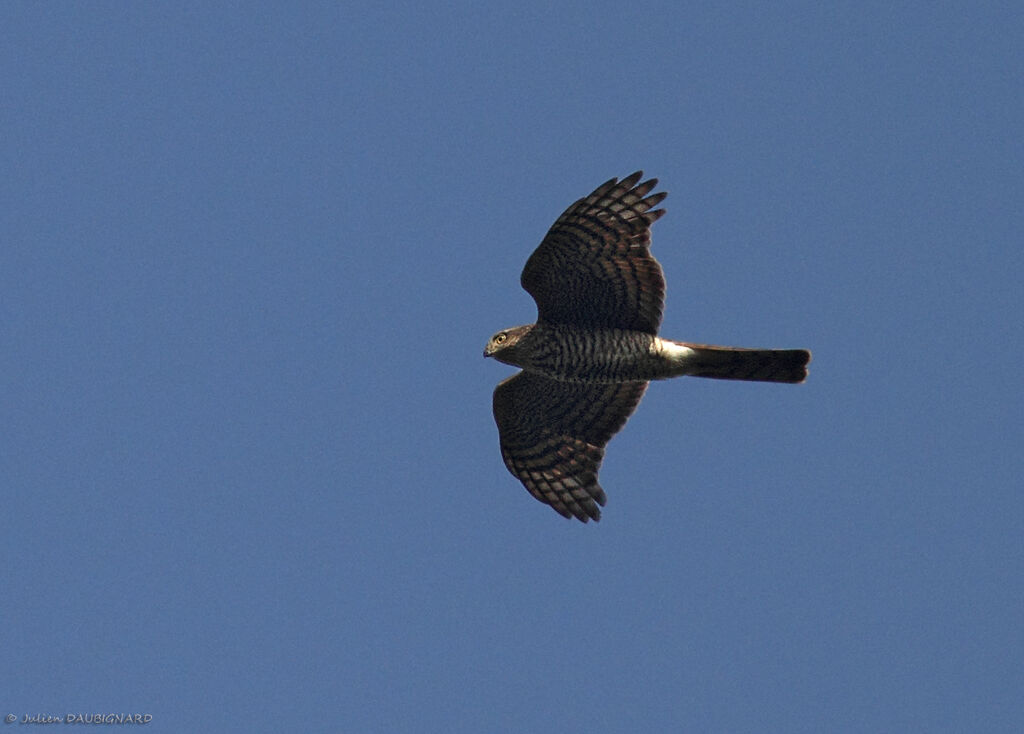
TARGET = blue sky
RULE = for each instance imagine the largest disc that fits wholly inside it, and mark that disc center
(249, 258)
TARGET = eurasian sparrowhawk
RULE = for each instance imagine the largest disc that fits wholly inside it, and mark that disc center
(587, 360)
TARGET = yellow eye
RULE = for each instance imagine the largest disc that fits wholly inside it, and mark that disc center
(500, 338)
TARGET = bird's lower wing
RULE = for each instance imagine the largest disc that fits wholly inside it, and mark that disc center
(553, 436)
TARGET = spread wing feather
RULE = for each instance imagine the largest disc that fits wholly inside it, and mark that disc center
(594, 266)
(553, 436)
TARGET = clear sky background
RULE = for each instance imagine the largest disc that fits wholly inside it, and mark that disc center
(249, 258)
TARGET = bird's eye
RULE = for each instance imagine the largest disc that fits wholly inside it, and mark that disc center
(500, 338)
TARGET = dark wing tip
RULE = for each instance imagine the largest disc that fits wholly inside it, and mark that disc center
(584, 503)
(631, 180)
(583, 510)
(655, 199)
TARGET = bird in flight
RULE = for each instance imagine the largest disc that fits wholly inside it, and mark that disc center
(587, 360)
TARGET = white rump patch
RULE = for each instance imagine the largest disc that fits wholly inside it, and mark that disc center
(676, 352)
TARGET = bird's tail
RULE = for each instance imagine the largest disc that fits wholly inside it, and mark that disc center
(737, 363)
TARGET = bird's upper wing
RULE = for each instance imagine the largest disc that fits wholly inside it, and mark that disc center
(594, 266)
(553, 436)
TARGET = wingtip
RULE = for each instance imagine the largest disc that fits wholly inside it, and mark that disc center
(583, 509)
(585, 515)
(632, 179)
(634, 183)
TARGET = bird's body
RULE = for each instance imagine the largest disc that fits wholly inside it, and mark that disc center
(587, 360)
(575, 354)
(569, 353)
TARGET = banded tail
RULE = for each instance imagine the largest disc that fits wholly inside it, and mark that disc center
(738, 363)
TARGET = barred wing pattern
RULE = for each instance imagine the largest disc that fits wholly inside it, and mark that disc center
(599, 296)
(594, 266)
(553, 436)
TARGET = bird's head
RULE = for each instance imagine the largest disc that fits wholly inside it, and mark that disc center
(502, 346)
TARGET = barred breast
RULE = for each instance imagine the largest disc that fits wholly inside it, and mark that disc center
(571, 354)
